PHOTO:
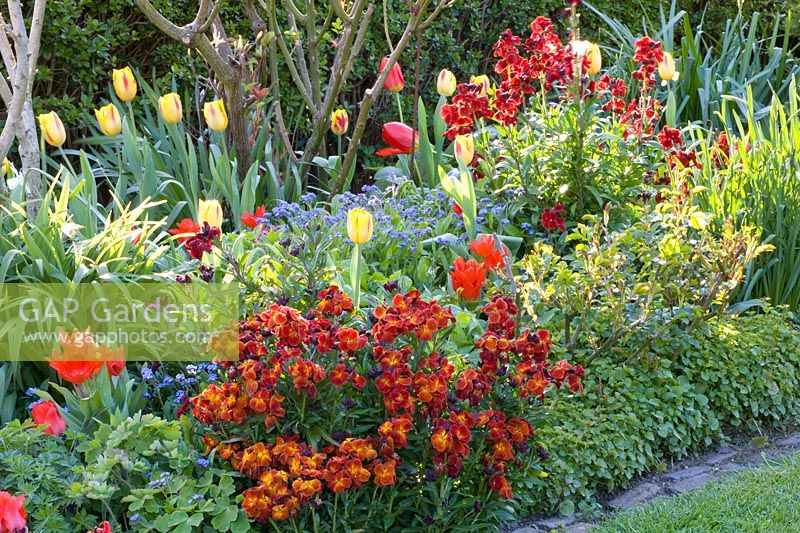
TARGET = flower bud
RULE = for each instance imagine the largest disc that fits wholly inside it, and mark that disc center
(124, 84)
(215, 115)
(446, 83)
(359, 225)
(52, 129)
(339, 122)
(464, 148)
(109, 120)
(170, 108)
(209, 211)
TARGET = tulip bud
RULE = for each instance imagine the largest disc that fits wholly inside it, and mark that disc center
(339, 122)
(464, 148)
(170, 108)
(394, 81)
(215, 115)
(52, 129)
(359, 225)
(109, 120)
(483, 81)
(446, 83)
(666, 69)
(209, 211)
(589, 53)
(124, 84)
(6, 169)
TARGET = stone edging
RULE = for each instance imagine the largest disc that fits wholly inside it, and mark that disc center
(686, 476)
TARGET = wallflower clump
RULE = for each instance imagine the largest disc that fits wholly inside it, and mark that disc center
(323, 406)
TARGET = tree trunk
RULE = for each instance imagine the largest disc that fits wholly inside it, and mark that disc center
(29, 153)
(238, 126)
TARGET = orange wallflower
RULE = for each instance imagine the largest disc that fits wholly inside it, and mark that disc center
(385, 474)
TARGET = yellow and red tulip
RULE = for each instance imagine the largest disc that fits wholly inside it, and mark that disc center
(482, 80)
(359, 225)
(215, 115)
(464, 148)
(401, 138)
(52, 129)
(394, 81)
(666, 69)
(340, 121)
(446, 83)
(590, 54)
(170, 108)
(124, 84)
(209, 211)
(109, 120)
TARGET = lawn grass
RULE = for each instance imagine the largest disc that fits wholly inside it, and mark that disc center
(766, 499)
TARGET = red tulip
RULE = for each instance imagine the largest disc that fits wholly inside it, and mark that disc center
(395, 80)
(76, 372)
(104, 527)
(46, 413)
(115, 368)
(485, 249)
(468, 278)
(251, 219)
(457, 209)
(186, 229)
(12, 512)
(401, 138)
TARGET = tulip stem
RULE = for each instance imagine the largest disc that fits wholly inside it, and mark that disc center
(355, 276)
(399, 105)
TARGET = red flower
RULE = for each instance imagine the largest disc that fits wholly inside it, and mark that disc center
(115, 368)
(486, 249)
(251, 219)
(339, 375)
(468, 277)
(457, 209)
(76, 372)
(185, 229)
(104, 527)
(47, 413)
(12, 512)
(395, 80)
(551, 219)
(501, 486)
(202, 241)
(401, 138)
(669, 138)
(385, 473)
(469, 104)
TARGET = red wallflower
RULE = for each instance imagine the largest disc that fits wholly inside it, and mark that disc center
(385, 473)
(669, 138)
(46, 412)
(501, 486)
(468, 277)
(469, 104)
(12, 512)
(552, 219)
(202, 241)
(251, 219)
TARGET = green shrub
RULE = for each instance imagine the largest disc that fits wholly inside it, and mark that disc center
(41, 467)
(727, 373)
(143, 469)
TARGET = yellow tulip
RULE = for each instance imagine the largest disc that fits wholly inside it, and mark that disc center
(52, 129)
(170, 108)
(446, 83)
(590, 51)
(109, 120)
(209, 211)
(464, 148)
(666, 69)
(124, 84)
(340, 121)
(359, 225)
(6, 168)
(483, 81)
(215, 115)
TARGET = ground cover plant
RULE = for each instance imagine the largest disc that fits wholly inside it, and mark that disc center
(504, 293)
